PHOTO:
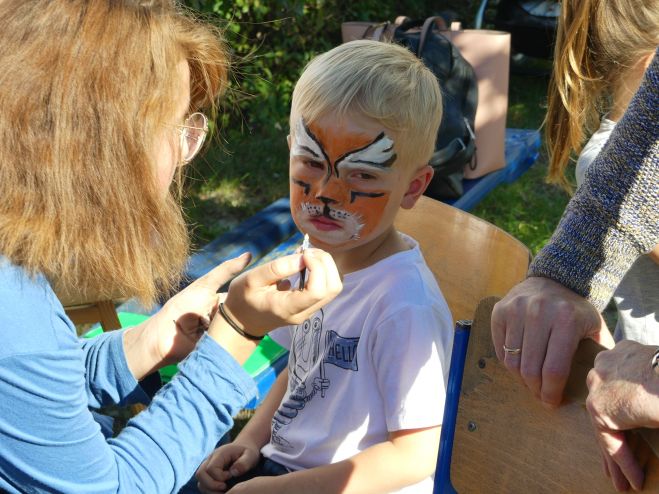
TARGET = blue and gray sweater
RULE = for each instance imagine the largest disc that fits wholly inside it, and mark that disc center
(614, 216)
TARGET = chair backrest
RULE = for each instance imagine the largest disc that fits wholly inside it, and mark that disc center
(506, 442)
(502, 439)
(470, 257)
(102, 311)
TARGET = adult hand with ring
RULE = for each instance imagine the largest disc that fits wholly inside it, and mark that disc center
(541, 322)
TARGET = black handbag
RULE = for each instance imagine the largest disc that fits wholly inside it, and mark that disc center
(455, 145)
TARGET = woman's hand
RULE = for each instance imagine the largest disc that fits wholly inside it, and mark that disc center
(542, 322)
(172, 333)
(257, 302)
(623, 394)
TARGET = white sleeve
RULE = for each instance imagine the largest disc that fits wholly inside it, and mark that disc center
(411, 354)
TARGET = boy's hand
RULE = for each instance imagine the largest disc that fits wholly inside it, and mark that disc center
(258, 303)
(226, 462)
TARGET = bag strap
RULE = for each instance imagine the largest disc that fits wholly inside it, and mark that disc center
(379, 32)
(428, 26)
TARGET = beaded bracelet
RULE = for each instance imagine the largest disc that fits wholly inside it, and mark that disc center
(237, 328)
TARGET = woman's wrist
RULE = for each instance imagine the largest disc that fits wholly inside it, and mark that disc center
(141, 349)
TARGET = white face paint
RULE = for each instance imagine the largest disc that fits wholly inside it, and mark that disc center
(341, 178)
(376, 156)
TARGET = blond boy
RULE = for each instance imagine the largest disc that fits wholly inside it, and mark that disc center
(359, 407)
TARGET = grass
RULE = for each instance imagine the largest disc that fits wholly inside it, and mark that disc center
(235, 180)
(249, 171)
(529, 208)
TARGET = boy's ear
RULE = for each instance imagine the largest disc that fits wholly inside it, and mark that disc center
(418, 185)
(288, 140)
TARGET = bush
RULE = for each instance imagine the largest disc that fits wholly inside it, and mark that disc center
(272, 41)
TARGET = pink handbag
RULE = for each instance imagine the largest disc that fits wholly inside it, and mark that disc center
(488, 52)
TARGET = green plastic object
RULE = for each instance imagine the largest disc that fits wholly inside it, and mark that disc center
(263, 356)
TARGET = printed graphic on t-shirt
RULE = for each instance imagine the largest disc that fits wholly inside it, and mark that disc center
(311, 349)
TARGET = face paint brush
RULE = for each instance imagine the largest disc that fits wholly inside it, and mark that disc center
(305, 246)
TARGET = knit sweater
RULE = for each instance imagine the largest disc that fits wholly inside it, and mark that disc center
(614, 216)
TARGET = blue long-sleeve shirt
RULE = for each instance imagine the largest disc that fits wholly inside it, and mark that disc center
(49, 441)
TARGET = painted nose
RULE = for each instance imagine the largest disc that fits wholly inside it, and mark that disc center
(326, 200)
(332, 191)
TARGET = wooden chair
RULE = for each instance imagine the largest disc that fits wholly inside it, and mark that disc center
(90, 312)
(470, 257)
(498, 438)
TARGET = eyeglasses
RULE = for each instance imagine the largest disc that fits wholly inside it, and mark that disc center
(193, 133)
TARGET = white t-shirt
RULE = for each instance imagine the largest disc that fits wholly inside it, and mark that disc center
(593, 147)
(374, 360)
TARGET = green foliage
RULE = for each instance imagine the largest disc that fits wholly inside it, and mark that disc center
(528, 209)
(273, 40)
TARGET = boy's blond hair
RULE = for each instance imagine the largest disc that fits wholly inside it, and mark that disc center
(381, 81)
(88, 85)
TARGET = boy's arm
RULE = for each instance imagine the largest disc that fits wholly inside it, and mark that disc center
(256, 432)
(613, 217)
(408, 457)
(241, 455)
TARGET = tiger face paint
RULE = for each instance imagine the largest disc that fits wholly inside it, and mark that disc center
(344, 189)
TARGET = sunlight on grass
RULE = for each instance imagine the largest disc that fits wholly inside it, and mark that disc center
(227, 193)
(529, 209)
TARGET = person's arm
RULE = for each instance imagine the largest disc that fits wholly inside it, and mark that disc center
(243, 454)
(623, 394)
(116, 360)
(50, 441)
(408, 457)
(256, 432)
(170, 335)
(614, 216)
(612, 219)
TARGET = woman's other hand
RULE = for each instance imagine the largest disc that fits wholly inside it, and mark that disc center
(172, 333)
(623, 394)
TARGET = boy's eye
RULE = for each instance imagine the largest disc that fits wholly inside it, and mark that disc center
(314, 164)
(364, 176)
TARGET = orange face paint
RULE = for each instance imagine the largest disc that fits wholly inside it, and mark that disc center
(341, 179)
